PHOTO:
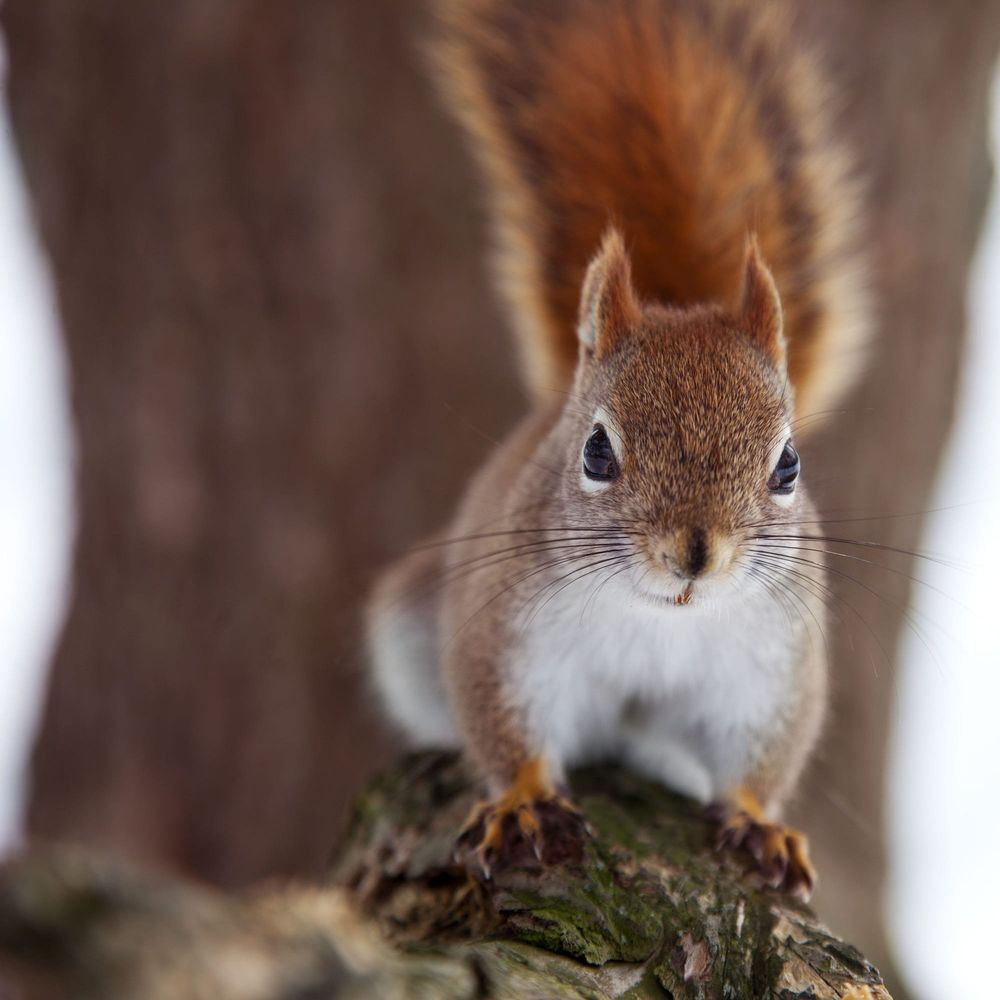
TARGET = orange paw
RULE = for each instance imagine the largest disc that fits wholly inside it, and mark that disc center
(529, 823)
(779, 853)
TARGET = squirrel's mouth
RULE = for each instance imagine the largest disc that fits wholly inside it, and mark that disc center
(673, 601)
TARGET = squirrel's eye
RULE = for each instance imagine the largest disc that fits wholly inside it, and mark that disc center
(598, 456)
(786, 471)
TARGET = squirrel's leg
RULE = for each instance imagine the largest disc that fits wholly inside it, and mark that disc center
(528, 816)
(780, 854)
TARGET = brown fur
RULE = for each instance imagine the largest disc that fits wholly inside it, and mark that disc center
(609, 308)
(686, 123)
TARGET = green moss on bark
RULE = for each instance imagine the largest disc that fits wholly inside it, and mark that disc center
(651, 900)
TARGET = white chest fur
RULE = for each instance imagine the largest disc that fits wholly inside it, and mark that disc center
(687, 694)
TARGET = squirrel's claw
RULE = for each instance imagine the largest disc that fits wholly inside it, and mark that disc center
(780, 854)
(506, 832)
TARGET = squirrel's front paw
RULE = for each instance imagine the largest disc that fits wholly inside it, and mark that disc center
(779, 853)
(529, 823)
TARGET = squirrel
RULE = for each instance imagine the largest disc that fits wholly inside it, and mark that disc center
(679, 251)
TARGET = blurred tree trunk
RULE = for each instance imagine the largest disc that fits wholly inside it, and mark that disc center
(268, 272)
(282, 342)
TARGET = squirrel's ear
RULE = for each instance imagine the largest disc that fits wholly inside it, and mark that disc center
(759, 309)
(609, 306)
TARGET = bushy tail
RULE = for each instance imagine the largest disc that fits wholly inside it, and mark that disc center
(688, 123)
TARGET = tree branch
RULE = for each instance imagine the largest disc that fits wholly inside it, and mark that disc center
(652, 911)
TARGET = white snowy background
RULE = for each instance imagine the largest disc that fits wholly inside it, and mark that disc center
(36, 471)
(945, 786)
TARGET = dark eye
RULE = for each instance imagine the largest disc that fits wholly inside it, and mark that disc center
(786, 471)
(598, 457)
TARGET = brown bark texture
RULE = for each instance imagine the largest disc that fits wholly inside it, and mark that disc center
(286, 360)
(650, 911)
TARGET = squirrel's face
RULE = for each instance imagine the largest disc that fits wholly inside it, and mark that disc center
(680, 429)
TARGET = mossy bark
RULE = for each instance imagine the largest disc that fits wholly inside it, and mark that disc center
(651, 911)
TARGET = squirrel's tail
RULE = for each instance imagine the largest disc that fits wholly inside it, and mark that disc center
(687, 123)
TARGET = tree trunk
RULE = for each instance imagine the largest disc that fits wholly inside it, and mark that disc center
(651, 911)
(252, 210)
(282, 350)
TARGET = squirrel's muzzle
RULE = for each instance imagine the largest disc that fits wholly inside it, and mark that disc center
(693, 552)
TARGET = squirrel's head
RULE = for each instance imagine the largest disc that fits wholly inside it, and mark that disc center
(681, 428)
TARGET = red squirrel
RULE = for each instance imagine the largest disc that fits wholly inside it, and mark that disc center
(674, 221)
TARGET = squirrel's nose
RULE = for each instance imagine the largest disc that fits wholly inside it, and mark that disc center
(696, 554)
(688, 553)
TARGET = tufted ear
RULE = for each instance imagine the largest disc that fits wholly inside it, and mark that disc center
(759, 309)
(609, 306)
